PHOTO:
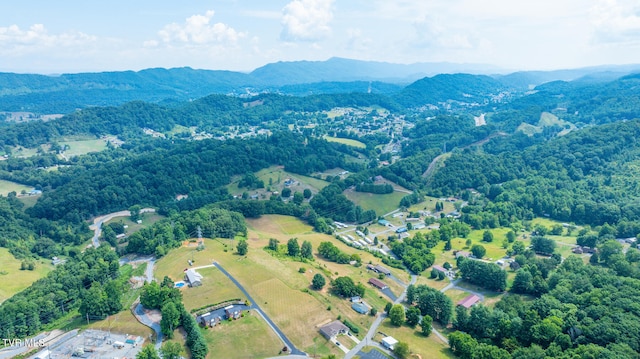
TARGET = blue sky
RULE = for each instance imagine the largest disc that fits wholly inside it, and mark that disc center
(44, 36)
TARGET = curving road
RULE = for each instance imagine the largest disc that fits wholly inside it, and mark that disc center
(254, 305)
(96, 227)
(368, 339)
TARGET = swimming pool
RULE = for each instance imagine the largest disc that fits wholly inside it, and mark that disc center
(179, 284)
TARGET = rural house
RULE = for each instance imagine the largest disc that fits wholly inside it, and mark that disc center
(469, 301)
(193, 278)
(333, 329)
(381, 269)
(378, 283)
(389, 342)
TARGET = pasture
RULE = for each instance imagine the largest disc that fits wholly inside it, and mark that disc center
(276, 284)
(247, 337)
(426, 347)
(9, 186)
(15, 280)
(274, 177)
(381, 203)
(83, 146)
(346, 141)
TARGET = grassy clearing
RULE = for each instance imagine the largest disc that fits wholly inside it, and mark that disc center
(15, 280)
(29, 201)
(123, 323)
(148, 219)
(427, 347)
(277, 285)
(81, 147)
(216, 287)
(9, 186)
(381, 203)
(231, 339)
(274, 177)
(346, 141)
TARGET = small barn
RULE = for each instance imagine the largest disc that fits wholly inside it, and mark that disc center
(360, 308)
(469, 301)
(378, 283)
(389, 342)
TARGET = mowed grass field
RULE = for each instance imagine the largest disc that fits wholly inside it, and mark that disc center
(247, 337)
(9, 186)
(381, 203)
(123, 323)
(83, 146)
(276, 175)
(15, 280)
(426, 347)
(345, 141)
(216, 287)
(276, 284)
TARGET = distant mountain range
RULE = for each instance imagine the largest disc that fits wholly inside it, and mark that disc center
(420, 82)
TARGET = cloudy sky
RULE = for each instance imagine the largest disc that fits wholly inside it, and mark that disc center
(44, 36)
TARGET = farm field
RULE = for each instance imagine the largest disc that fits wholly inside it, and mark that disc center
(381, 203)
(276, 175)
(83, 146)
(123, 323)
(426, 347)
(278, 286)
(216, 287)
(346, 141)
(15, 280)
(9, 186)
(247, 337)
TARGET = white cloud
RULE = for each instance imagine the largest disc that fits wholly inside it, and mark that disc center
(616, 21)
(356, 41)
(197, 31)
(306, 20)
(16, 41)
(431, 33)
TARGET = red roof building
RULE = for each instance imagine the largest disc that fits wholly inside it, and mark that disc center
(469, 301)
(378, 283)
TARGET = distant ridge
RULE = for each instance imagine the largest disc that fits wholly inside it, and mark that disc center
(68, 92)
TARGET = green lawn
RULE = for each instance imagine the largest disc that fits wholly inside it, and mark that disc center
(346, 141)
(427, 347)
(274, 177)
(381, 203)
(9, 186)
(15, 280)
(81, 147)
(247, 337)
(215, 288)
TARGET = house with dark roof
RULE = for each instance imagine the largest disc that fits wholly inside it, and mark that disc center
(378, 283)
(232, 312)
(333, 329)
(381, 269)
(208, 319)
(469, 301)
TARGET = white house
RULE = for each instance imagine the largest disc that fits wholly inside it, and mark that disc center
(389, 342)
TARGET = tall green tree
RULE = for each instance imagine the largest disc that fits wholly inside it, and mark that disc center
(426, 325)
(318, 281)
(293, 248)
(171, 350)
(242, 247)
(306, 250)
(170, 319)
(397, 315)
(148, 352)
(401, 350)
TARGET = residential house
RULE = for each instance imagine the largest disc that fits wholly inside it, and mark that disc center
(462, 254)
(333, 329)
(469, 301)
(378, 283)
(208, 319)
(231, 312)
(381, 269)
(193, 278)
(439, 268)
(389, 342)
(360, 308)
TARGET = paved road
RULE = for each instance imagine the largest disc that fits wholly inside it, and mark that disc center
(254, 305)
(140, 314)
(98, 221)
(368, 339)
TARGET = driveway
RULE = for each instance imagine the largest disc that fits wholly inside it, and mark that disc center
(142, 316)
(254, 305)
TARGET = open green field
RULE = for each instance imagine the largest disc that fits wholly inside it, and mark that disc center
(274, 178)
(15, 280)
(247, 337)
(346, 141)
(123, 323)
(381, 203)
(426, 347)
(215, 288)
(84, 146)
(148, 219)
(9, 186)
(429, 204)
(28, 201)
(276, 284)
